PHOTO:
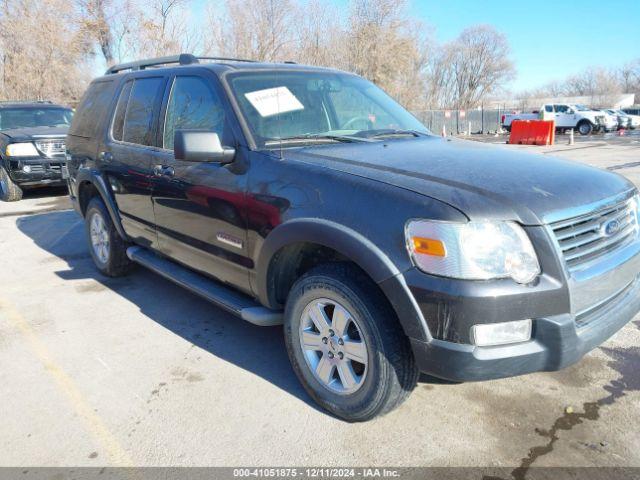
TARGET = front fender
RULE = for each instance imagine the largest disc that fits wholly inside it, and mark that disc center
(354, 246)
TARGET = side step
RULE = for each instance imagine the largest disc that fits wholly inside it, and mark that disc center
(217, 293)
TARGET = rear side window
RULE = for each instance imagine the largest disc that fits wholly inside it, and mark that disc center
(133, 117)
(92, 107)
(193, 105)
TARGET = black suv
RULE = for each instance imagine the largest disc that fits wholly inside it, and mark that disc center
(32, 146)
(306, 196)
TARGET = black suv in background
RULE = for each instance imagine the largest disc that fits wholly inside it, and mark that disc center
(307, 196)
(32, 146)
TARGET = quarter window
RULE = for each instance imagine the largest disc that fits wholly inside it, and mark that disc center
(193, 105)
(121, 110)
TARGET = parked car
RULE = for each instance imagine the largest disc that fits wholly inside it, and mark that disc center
(633, 121)
(303, 196)
(611, 121)
(32, 146)
(567, 116)
(624, 121)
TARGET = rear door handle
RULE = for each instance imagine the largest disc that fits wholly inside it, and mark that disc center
(163, 171)
(106, 157)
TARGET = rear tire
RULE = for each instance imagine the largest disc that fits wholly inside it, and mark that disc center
(9, 190)
(585, 127)
(108, 250)
(366, 329)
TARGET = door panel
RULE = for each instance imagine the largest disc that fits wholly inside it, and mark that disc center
(126, 157)
(200, 208)
(130, 175)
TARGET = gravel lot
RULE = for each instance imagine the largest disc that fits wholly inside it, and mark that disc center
(137, 371)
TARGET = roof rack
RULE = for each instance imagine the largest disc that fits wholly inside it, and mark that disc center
(182, 59)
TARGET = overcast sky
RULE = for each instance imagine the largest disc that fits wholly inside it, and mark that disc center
(549, 39)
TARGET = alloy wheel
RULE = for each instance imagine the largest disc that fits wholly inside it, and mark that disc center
(99, 237)
(333, 346)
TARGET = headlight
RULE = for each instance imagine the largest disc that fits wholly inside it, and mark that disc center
(21, 150)
(472, 251)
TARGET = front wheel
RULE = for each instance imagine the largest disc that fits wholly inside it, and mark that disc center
(585, 127)
(346, 345)
(108, 250)
(9, 190)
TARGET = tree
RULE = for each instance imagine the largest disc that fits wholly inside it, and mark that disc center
(479, 65)
(253, 29)
(43, 51)
(383, 45)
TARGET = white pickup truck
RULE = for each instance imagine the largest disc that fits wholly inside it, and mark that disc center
(566, 115)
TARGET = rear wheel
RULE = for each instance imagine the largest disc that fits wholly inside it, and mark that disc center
(585, 127)
(346, 345)
(9, 190)
(108, 250)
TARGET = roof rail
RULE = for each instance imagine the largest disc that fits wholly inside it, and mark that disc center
(182, 59)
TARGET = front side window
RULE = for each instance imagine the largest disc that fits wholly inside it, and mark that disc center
(137, 122)
(561, 108)
(29, 117)
(279, 105)
(192, 105)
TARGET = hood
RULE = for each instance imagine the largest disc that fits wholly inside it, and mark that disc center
(33, 133)
(483, 181)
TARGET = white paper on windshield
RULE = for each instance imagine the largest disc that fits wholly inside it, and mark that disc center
(273, 101)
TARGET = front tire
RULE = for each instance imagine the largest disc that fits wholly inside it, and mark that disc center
(108, 250)
(585, 127)
(9, 190)
(346, 345)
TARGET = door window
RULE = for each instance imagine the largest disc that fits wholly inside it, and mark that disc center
(133, 118)
(193, 105)
(561, 108)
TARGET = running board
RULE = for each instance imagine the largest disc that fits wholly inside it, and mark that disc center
(217, 293)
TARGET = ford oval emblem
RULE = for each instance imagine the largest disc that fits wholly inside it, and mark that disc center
(610, 228)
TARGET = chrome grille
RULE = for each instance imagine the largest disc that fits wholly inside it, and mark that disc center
(586, 238)
(51, 148)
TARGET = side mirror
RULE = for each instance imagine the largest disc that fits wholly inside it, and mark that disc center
(201, 146)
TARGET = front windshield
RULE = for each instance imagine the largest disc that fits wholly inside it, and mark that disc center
(281, 105)
(582, 108)
(27, 117)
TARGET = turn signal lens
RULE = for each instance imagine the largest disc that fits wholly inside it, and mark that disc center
(429, 246)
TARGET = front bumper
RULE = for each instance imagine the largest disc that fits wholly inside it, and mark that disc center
(41, 171)
(557, 343)
(571, 313)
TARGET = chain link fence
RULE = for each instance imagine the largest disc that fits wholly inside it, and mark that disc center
(476, 121)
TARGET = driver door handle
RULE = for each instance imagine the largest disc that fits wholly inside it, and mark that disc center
(163, 171)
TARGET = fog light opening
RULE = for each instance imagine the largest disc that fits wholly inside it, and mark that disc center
(26, 169)
(492, 334)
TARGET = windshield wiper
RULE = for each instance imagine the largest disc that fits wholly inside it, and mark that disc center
(317, 137)
(389, 132)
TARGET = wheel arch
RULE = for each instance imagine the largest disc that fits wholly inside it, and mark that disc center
(91, 184)
(276, 270)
